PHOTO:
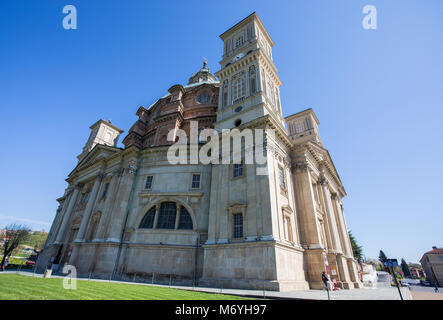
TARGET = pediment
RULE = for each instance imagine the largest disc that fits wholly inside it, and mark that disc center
(323, 158)
(238, 204)
(98, 153)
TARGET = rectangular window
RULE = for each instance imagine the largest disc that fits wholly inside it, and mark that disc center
(238, 88)
(195, 181)
(282, 178)
(239, 41)
(148, 184)
(238, 170)
(105, 190)
(166, 219)
(238, 225)
(85, 198)
(314, 187)
(288, 229)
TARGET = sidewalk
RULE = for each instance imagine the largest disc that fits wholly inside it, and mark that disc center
(385, 293)
(426, 293)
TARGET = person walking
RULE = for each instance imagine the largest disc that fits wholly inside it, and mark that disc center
(325, 279)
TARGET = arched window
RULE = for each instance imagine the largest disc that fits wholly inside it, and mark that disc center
(238, 88)
(225, 93)
(93, 227)
(277, 98)
(263, 76)
(288, 229)
(252, 80)
(185, 219)
(270, 93)
(166, 219)
(148, 220)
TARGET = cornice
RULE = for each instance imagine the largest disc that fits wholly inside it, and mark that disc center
(325, 162)
(225, 71)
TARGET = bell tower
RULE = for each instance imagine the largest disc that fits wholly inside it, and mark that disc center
(252, 207)
(249, 84)
(102, 132)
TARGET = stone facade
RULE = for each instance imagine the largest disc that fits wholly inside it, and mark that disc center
(432, 263)
(130, 211)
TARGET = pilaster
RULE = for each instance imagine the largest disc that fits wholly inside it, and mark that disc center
(67, 215)
(331, 217)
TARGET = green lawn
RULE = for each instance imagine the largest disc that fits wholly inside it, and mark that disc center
(18, 287)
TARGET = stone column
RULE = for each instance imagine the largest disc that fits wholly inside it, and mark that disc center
(343, 232)
(157, 213)
(341, 260)
(352, 267)
(222, 233)
(334, 234)
(89, 207)
(331, 217)
(120, 207)
(177, 216)
(325, 222)
(85, 220)
(105, 218)
(309, 227)
(57, 221)
(213, 208)
(344, 272)
(67, 215)
(310, 234)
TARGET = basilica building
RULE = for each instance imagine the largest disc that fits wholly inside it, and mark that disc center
(129, 212)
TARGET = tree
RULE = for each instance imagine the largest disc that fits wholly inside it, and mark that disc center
(377, 264)
(14, 235)
(405, 269)
(382, 257)
(357, 250)
(37, 240)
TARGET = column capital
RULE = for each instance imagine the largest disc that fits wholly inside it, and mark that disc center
(323, 181)
(118, 172)
(302, 166)
(132, 167)
(79, 185)
(100, 176)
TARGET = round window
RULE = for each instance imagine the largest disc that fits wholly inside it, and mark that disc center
(204, 97)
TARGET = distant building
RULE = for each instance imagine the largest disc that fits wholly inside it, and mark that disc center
(383, 279)
(417, 273)
(432, 262)
(368, 275)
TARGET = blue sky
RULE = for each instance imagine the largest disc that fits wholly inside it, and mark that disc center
(377, 93)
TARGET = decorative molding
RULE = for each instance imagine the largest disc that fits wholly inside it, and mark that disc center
(301, 166)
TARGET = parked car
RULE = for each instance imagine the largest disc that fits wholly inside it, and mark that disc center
(404, 283)
(425, 283)
(30, 263)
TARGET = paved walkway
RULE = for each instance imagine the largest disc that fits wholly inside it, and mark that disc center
(355, 294)
(383, 293)
(426, 293)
